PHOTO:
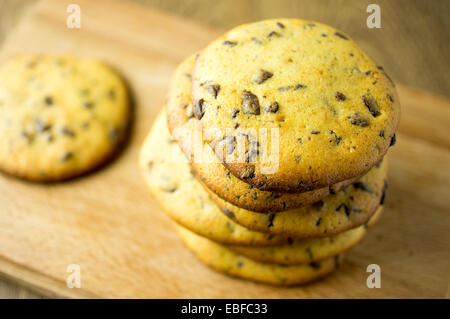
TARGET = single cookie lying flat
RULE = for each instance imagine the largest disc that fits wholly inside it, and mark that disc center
(307, 250)
(186, 130)
(226, 261)
(170, 180)
(328, 111)
(59, 116)
(348, 208)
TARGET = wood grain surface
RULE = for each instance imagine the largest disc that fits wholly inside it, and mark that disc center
(108, 224)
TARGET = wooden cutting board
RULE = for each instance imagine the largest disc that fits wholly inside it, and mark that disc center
(108, 224)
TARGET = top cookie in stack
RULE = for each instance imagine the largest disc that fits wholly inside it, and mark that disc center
(293, 110)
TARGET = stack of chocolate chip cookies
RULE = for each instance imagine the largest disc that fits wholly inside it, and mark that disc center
(269, 154)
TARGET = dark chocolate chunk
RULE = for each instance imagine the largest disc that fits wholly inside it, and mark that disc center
(393, 140)
(299, 86)
(272, 107)
(315, 265)
(273, 34)
(337, 139)
(340, 96)
(358, 120)
(371, 104)
(41, 126)
(318, 205)
(249, 172)
(229, 43)
(67, 156)
(346, 209)
(318, 221)
(48, 100)
(362, 186)
(270, 219)
(261, 76)
(273, 196)
(29, 137)
(315, 132)
(281, 25)
(340, 35)
(250, 103)
(213, 89)
(234, 113)
(67, 132)
(229, 213)
(199, 109)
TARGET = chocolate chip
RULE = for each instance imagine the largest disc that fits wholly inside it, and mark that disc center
(88, 105)
(29, 137)
(213, 89)
(315, 132)
(346, 209)
(229, 213)
(318, 205)
(249, 172)
(362, 186)
(229, 43)
(381, 134)
(273, 34)
(290, 240)
(337, 139)
(393, 140)
(356, 210)
(273, 196)
(340, 96)
(270, 218)
(371, 104)
(281, 25)
(285, 88)
(299, 86)
(324, 35)
(41, 126)
(358, 120)
(390, 98)
(199, 109)
(67, 156)
(234, 113)
(315, 265)
(67, 132)
(272, 107)
(48, 100)
(261, 76)
(250, 103)
(318, 221)
(340, 35)
(240, 264)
